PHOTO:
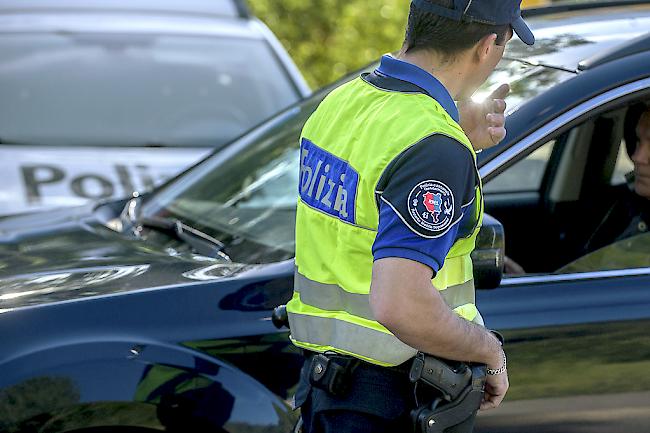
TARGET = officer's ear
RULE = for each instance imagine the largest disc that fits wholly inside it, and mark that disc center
(483, 50)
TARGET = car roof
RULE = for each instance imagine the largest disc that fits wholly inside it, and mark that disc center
(218, 18)
(567, 38)
(222, 8)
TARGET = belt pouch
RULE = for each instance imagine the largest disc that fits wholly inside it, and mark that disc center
(332, 373)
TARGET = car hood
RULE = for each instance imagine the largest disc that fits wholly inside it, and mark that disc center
(68, 254)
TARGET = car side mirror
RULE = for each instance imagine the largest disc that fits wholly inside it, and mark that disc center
(488, 256)
(280, 318)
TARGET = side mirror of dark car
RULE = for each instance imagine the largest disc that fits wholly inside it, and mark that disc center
(488, 256)
(280, 318)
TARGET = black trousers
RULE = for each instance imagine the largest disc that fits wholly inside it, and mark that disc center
(348, 421)
(380, 400)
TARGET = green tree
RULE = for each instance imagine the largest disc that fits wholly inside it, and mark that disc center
(330, 38)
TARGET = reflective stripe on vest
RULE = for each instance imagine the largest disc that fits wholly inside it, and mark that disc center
(331, 297)
(330, 318)
(321, 331)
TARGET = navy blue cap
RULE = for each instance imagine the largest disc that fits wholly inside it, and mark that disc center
(492, 12)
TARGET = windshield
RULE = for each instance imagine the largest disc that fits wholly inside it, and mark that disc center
(141, 89)
(526, 81)
(248, 192)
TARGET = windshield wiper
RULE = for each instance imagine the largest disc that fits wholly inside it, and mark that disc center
(203, 243)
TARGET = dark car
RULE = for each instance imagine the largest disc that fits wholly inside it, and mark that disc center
(100, 98)
(155, 313)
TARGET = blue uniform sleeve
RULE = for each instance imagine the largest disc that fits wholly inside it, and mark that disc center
(423, 197)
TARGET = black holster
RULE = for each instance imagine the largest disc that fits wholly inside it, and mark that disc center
(460, 388)
(332, 373)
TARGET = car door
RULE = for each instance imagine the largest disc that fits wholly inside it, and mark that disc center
(576, 336)
(578, 352)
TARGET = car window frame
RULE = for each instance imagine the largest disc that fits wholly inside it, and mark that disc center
(554, 128)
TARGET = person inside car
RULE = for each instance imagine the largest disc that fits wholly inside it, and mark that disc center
(629, 215)
(626, 217)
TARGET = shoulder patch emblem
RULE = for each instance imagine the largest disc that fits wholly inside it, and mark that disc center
(431, 205)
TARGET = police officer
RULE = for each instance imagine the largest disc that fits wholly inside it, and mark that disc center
(389, 209)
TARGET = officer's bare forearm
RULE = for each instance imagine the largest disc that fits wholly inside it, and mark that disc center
(403, 299)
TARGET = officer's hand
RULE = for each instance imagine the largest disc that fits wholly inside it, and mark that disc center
(495, 390)
(484, 123)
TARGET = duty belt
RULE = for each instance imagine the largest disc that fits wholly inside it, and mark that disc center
(459, 386)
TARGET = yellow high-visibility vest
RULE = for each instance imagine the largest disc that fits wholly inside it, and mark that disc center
(345, 147)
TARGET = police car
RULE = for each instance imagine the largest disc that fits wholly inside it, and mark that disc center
(101, 98)
(154, 313)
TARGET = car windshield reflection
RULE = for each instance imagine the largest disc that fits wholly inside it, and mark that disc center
(155, 90)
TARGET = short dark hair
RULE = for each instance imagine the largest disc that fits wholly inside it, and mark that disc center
(427, 31)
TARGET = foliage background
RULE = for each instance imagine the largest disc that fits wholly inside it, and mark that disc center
(330, 38)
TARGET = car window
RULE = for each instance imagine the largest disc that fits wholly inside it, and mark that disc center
(271, 185)
(590, 218)
(524, 176)
(136, 89)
